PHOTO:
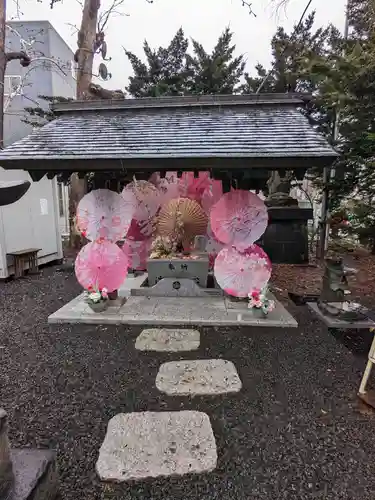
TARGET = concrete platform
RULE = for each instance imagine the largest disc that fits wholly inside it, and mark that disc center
(340, 324)
(172, 311)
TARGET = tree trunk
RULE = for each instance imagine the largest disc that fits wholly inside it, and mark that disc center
(3, 63)
(85, 59)
(86, 41)
(76, 192)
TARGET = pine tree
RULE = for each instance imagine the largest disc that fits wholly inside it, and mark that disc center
(165, 72)
(291, 55)
(37, 116)
(173, 71)
(216, 73)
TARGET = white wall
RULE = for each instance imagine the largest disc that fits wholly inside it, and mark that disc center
(63, 209)
(31, 222)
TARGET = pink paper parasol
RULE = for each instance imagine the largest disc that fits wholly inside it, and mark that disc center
(239, 219)
(104, 214)
(147, 199)
(213, 246)
(137, 253)
(239, 274)
(168, 186)
(193, 187)
(101, 264)
(211, 195)
(140, 231)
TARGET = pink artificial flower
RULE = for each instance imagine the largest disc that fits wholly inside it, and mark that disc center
(271, 306)
(104, 293)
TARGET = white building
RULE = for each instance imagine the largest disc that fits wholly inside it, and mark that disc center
(40, 218)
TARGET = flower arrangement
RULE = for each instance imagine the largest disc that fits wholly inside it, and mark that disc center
(95, 296)
(163, 247)
(259, 301)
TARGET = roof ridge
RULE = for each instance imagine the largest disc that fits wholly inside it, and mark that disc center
(182, 102)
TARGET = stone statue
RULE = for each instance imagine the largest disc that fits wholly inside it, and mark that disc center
(279, 190)
(332, 300)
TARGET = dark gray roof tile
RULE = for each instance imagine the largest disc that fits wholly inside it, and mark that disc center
(278, 131)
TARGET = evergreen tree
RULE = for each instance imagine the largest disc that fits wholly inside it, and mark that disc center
(296, 57)
(216, 73)
(291, 55)
(173, 71)
(37, 116)
(165, 71)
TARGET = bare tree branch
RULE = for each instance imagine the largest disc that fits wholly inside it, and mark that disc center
(249, 5)
(19, 13)
(21, 56)
(73, 26)
(112, 10)
(22, 83)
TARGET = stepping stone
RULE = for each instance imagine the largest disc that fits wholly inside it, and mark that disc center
(154, 444)
(198, 377)
(163, 339)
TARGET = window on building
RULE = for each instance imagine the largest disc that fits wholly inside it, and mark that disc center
(12, 85)
(61, 198)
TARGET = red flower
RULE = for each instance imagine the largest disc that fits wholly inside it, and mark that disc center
(83, 234)
(255, 294)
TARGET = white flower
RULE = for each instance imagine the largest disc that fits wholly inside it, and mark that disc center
(95, 296)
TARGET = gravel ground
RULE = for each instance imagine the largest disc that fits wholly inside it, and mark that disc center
(294, 431)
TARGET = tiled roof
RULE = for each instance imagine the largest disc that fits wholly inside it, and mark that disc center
(212, 129)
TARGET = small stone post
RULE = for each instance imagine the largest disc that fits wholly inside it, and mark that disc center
(6, 471)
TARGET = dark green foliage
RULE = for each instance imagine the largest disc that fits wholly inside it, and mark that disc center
(173, 71)
(296, 57)
(216, 73)
(166, 71)
(37, 116)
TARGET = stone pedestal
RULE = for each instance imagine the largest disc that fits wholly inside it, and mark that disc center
(193, 269)
(6, 470)
(25, 474)
(286, 237)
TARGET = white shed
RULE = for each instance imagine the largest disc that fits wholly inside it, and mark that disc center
(31, 222)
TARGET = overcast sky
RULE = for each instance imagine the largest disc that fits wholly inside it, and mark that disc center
(203, 20)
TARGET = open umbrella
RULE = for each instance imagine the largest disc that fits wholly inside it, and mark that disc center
(105, 214)
(213, 246)
(182, 219)
(238, 274)
(140, 231)
(193, 187)
(12, 191)
(101, 264)
(211, 195)
(239, 219)
(147, 197)
(137, 253)
(168, 186)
